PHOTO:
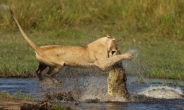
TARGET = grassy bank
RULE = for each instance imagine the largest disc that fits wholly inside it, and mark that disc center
(154, 28)
(157, 56)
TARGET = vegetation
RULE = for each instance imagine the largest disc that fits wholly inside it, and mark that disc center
(59, 107)
(6, 96)
(23, 96)
(152, 27)
(25, 102)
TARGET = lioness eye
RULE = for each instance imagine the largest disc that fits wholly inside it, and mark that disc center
(113, 52)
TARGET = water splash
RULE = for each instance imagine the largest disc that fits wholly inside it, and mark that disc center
(161, 92)
(133, 66)
(95, 89)
(89, 88)
(134, 52)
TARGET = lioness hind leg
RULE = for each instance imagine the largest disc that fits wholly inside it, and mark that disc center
(52, 72)
(39, 70)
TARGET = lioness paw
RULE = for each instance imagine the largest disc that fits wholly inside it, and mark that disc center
(128, 56)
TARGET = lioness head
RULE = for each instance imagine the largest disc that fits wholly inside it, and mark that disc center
(111, 46)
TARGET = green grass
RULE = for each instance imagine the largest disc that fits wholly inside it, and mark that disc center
(23, 96)
(58, 107)
(152, 27)
(157, 56)
(162, 17)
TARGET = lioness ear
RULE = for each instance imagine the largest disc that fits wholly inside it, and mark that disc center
(110, 37)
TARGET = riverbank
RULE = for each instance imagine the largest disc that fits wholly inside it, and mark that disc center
(9, 102)
(152, 29)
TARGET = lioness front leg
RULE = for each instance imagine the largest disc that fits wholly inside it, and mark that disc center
(108, 62)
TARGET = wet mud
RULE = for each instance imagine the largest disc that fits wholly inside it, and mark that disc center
(64, 96)
(44, 105)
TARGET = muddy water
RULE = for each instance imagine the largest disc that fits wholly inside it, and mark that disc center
(91, 92)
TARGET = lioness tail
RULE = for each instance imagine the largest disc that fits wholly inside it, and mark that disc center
(35, 47)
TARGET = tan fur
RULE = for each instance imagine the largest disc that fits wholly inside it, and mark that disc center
(55, 57)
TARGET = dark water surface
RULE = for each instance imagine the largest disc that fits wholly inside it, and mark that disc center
(91, 88)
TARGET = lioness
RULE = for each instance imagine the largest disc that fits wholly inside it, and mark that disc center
(93, 54)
